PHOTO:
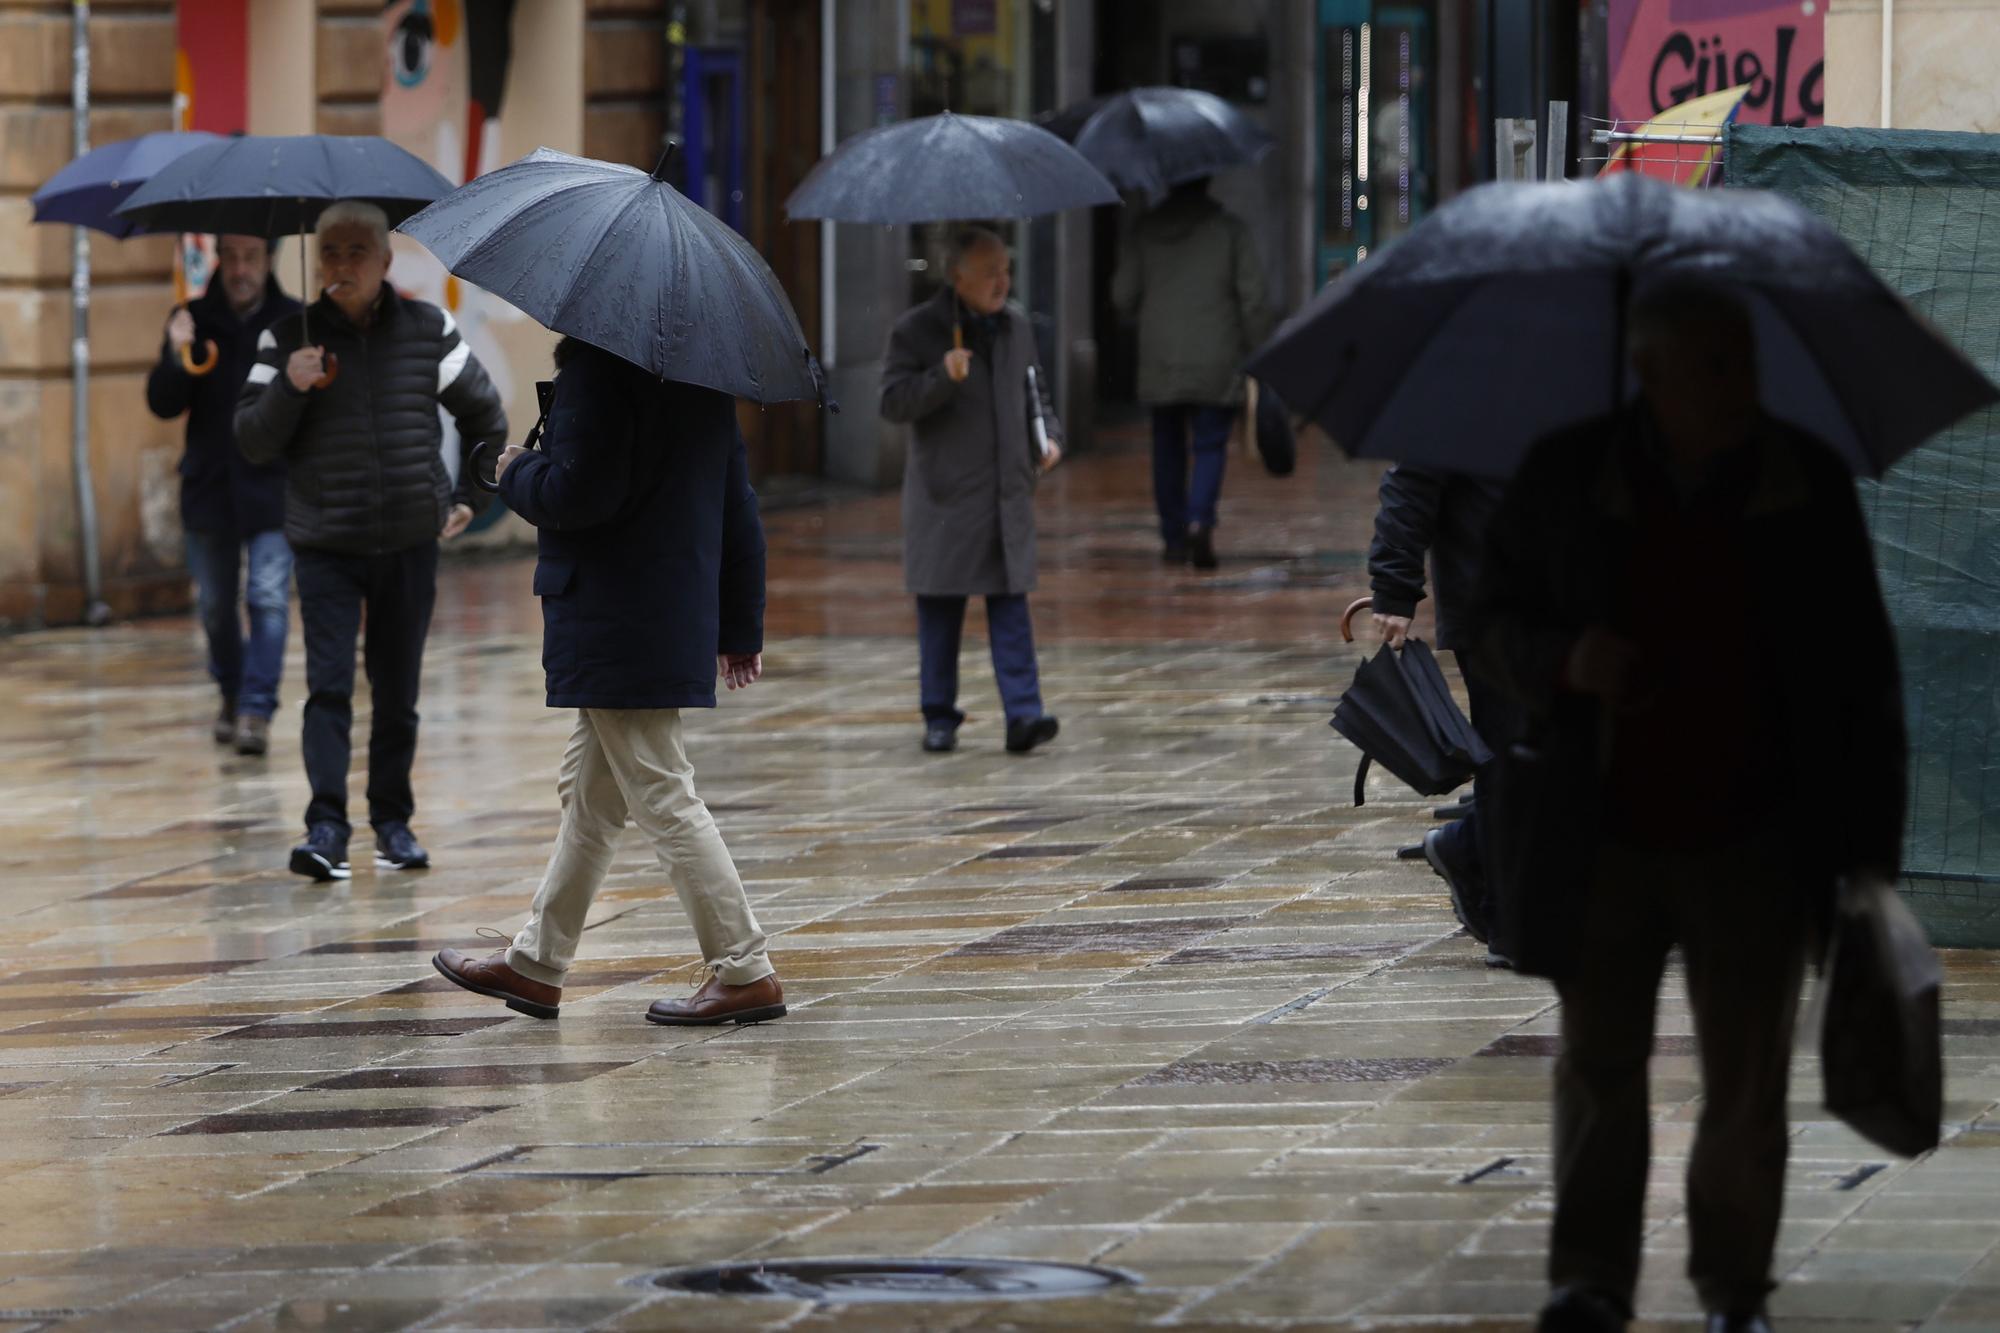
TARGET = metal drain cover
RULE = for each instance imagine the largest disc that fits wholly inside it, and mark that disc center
(852, 1280)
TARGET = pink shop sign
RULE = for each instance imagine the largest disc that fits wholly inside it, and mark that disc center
(1665, 52)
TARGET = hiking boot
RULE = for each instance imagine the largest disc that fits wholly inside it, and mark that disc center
(323, 855)
(224, 729)
(715, 1002)
(253, 734)
(491, 976)
(396, 848)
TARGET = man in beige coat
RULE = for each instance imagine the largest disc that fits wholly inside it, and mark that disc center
(1189, 275)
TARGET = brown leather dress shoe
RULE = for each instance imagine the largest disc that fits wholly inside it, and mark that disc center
(491, 976)
(717, 1002)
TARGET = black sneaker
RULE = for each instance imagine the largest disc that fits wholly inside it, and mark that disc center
(1201, 548)
(1466, 903)
(940, 737)
(224, 729)
(1583, 1310)
(323, 855)
(396, 848)
(1025, 735)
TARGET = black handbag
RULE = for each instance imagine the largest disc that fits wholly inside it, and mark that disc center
(1540, 806)
(1276, 444)
(1879, 1049)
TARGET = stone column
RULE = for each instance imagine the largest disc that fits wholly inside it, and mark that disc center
(133, 455)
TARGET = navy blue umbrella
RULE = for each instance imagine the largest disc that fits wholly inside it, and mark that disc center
(278, 185)
(944, 167)
(87, 192)
(623, 261)
(1498, 319)
(1148, 139)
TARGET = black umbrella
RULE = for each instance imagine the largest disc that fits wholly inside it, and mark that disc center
(1499, 319)
(277, 185)
(1148, 139)
(944, 167)
(624, 261)
(1400, 714)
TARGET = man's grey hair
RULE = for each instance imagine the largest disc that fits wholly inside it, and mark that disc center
(1686, 307)
(355, 213)
(967, 242)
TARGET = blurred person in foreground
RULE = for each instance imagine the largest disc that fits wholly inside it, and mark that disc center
(354, 416)
(958, 370)
(1651, 582)
(651, 575)
(232, 510)
(1189, 274)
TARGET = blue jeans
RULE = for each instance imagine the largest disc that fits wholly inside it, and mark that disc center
(1179, 508)
(941, 620)
(245, 672)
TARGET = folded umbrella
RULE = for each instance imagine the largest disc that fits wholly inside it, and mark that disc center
(88, 191)
(944, 167)
(623, 261)
(1150, 139)
(1499, 319)
(1399, 713)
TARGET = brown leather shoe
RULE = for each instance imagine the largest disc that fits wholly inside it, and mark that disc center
(253, 734)
(491, 976)
(717, 1002)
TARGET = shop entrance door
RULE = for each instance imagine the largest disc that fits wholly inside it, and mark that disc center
(1377, 105)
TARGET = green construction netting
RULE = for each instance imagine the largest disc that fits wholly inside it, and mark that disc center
(1923, 208)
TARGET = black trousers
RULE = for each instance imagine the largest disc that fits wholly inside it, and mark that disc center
(398, 591)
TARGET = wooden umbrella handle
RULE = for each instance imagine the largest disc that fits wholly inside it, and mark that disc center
(1347, 617)
(208, 360)
(957, 336)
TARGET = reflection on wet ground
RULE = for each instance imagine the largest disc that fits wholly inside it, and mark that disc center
(1155, 997)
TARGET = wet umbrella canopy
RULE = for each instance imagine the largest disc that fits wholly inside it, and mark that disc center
(1498, 319)
(87, 192)
(939, 168)
(1149, 139)
(278, 185)
(623, 261)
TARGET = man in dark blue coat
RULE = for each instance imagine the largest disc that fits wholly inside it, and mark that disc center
(229, 505)
(652, 583)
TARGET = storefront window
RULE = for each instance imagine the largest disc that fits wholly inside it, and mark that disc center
(1375, 122)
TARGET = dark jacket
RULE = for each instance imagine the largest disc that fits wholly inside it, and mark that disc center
(1189, 274)
(222, 492)
(652, 553)
(1560, 548)
(969, 483)
(1433, 514)
(366, 467)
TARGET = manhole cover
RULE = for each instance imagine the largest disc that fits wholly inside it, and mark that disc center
(849, 1280)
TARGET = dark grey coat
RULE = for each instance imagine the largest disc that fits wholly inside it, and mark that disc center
(969, 484)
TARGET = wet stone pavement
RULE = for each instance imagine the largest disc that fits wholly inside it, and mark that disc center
(1154, 998)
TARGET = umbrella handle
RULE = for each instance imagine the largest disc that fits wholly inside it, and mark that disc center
(332, 371)
(209, 358)
(1347, 617)
(472, 461)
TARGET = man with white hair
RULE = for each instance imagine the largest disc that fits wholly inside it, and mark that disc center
(353, 412)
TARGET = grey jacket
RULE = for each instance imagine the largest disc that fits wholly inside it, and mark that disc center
(1191, 278)
(969, 485)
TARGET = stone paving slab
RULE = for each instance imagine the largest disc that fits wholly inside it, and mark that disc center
(1155, 998)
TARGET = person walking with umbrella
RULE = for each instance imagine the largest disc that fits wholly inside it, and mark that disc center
(353, 413)
(1189, 274)
(231, 508)
(961, 370)
(651, 569)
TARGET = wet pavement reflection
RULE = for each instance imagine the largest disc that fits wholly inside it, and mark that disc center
(1154, 997)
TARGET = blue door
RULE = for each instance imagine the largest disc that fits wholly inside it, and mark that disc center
(712, 124)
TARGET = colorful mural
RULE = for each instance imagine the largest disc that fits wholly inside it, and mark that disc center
(444, 85)
(1667, 52)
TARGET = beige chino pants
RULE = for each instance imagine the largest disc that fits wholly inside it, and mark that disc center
(629, 762)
